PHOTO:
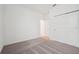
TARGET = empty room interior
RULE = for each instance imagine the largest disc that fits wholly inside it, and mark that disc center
(39, 28)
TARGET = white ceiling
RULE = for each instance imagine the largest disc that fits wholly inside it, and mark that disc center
(42, 8)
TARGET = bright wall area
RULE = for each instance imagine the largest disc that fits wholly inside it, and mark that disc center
(64, 28)
(1, 34)
(43, 27)
(20, 24)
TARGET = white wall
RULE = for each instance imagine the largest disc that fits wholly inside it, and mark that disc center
(1, 34)
(64, 28)
(20, 24)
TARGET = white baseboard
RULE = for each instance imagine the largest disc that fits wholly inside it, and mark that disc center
(76, 45)
(20, 41)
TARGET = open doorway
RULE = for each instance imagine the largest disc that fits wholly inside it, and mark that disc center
(43, 29)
